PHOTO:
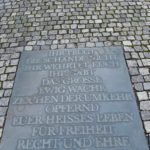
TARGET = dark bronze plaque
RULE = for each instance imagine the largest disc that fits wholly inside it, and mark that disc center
(75, 99)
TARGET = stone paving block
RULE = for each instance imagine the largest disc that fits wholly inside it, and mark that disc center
(1, 130)
(3, 111)
(2, 70)
(142, 95)
(145, 105)
(4, 101)
(145, 115)
(132, 63)
(11, 69)
(1, 63)
(1, 93)
(3, 77)
(146, 62)
(8, 84)
(28, 48)
(147, 86)
(127, 43)
(2, 119)
(43, 24)
(144, 71)
(136, 79)
(147, 126)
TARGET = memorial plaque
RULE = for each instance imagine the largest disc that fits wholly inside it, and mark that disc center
(73, 99)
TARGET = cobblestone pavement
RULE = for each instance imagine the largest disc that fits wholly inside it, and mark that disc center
(27, 25)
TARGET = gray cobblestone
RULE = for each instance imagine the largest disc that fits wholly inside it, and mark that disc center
(145, 115)
(1, 130)
(99, 44)
(138, 86)
(14, 62)
(90, 44)
(8, 84)
(3, 111)
(28, 48)
(138, 78)
(144, 71)
(7, 93)
(142, 95)
(2, 70)
(127, 43)
(3, 77)
(31, 43)
(147, 126)
(147, 86)
(11, 69)
(1, 93)
(147, 78)
(133, 71)
(45, 25)
(1, 63)
(132, 63)
(2, 119)
(4, 101)
(11, 76)
(145, 105)
(146, 62)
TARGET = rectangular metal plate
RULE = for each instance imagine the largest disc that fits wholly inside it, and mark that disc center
(73, 99)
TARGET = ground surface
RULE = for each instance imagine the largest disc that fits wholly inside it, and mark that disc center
(27, 25)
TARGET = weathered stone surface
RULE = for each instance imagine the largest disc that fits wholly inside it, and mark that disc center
(146, 62)
(147, 126)
(7, 84)
(108, 22)
(147, 86)
(66, 99)
(1, 130)
(3, 111)
(2, 119)
(145, 115)
(144, 71)
(145, 105)
(11, 69)
(4, 101)
(127, 43)
(142, 95)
